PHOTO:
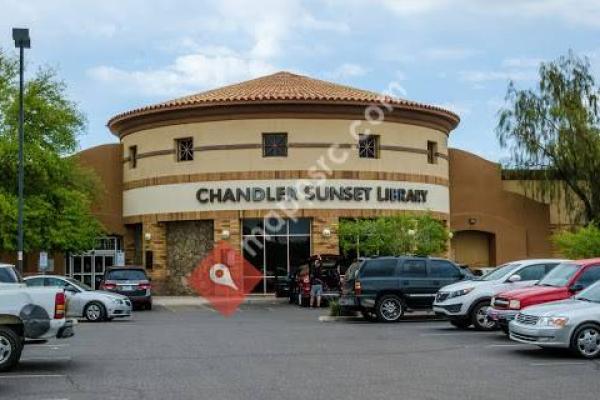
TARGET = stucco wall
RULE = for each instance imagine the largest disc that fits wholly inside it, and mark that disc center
(478, 201)
(105, 161)
(302, 131)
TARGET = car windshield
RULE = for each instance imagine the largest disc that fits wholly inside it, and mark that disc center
(126, 275)
(590, 294)
(9, 275)
(559, 276)
(79, 285)
(499, 272)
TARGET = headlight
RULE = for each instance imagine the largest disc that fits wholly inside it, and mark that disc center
(514, 304)
(555, 322)
(461, 292)
(117, 301)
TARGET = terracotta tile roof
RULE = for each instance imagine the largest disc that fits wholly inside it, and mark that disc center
(280, 87)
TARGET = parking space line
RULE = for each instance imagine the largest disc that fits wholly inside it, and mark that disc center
(29, 376)
(33, 359)
(558, 364)
(47, 346)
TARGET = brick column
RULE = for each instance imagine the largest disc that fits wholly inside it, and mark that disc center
(129, 245)
(158, 245)
(320, 243)
(231, 224)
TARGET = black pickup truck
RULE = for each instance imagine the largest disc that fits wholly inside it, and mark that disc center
(384, 288)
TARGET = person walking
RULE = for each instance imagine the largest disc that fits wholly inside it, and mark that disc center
(316, 285)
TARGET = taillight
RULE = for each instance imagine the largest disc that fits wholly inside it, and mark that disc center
(357, 288)
(59, 305)
(108, 286)
(144, 286)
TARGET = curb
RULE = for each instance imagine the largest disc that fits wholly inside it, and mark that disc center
(331, 318)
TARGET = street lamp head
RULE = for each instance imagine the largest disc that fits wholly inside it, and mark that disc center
(21, 37)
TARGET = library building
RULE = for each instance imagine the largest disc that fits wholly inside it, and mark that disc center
(280, 160)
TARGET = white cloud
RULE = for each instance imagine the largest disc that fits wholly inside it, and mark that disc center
(448, 53)
(461, 109)
(186, 74)
(525, 62)
(345, 71)
(572, 12)
(478, 76)
(415, 7)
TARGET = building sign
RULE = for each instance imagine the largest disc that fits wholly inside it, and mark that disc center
(310, 193)
(285, 194)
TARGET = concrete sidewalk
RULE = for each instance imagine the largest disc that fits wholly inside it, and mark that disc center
(183, 301)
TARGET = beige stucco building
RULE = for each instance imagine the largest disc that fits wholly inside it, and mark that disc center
(292, 155)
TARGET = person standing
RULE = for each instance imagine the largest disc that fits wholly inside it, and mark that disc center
(316, 285)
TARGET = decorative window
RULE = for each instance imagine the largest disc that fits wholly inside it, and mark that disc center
(132, 157)
(185, 149)
(431, 152)
(275, 145)
(368, 146)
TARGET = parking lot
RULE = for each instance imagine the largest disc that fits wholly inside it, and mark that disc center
(277, 351)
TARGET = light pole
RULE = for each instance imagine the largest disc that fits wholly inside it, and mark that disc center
(22, 41)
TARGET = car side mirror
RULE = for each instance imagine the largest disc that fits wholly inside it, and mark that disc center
(514, 278)
(578, 287)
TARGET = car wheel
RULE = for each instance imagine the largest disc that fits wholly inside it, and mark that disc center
(586, 341)
(461, 323)
(389, 308)
(479, 317)
(149, 306)
(369, 315)
(11, 346)
(94, 312)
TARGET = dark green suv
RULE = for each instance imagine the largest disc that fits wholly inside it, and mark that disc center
(384, 288)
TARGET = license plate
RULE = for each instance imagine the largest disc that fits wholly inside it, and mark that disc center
(346, 301)
(127, 288)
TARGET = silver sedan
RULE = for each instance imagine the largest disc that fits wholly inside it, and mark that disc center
(572, 323)
(83, 301)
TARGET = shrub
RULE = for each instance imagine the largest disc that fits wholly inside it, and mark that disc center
(583, 243)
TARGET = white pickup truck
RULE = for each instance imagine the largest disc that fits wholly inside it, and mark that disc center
(28, 314)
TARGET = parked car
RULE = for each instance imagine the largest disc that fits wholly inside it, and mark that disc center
(385, 288)
(83, 301)
(466, 303)
(330, 266)
(131, 282)
(573, 323)
(562, 282)
(29, 314)
(9, 276)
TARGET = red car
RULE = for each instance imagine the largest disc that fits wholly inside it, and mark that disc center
(562, 282)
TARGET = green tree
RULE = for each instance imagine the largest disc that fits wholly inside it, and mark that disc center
(583, 243)
(553, 135)
(402, 234)
(58, 193)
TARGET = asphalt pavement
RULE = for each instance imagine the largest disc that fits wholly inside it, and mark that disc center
(277, 351)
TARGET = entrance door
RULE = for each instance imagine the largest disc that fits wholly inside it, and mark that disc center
(474, 248)
(89, 267)
(275, 247)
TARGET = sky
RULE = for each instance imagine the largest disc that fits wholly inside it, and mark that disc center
(459, 54)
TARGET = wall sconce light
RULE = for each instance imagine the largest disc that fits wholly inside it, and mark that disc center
(225, 234)
(326, 232)
(147, 236)
(472, 221)
(450, 235)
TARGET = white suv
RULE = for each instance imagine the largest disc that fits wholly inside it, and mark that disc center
(466, 303)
